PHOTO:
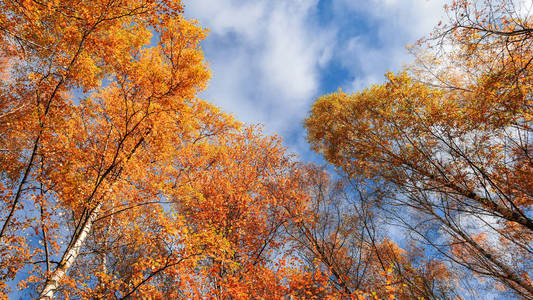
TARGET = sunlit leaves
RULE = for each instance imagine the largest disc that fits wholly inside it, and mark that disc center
(451, 138)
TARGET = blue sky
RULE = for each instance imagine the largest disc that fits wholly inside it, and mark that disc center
(270, 59)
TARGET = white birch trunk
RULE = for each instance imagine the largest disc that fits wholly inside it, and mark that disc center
(69, 257)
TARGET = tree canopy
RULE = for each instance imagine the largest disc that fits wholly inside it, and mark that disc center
(449, 141)
(118, 181)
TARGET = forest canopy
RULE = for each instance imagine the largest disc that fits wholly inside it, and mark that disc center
(117, 181)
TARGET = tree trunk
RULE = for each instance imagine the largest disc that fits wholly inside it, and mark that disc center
(70, 256)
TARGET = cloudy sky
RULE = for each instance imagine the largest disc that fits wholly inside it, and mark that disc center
(270, 59)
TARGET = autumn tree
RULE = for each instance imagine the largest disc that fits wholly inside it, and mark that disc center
(116, 180)
(346, 237)
(233, 207)
(97, 100)
(450, 141)
(217, 234)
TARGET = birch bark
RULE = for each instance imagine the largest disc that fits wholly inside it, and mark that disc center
(70, 256)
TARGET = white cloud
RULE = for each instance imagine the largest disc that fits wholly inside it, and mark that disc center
(398, 18)
(290, 60)
(267, 56)
(524, 8)
(393, 25)
(224, 16)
